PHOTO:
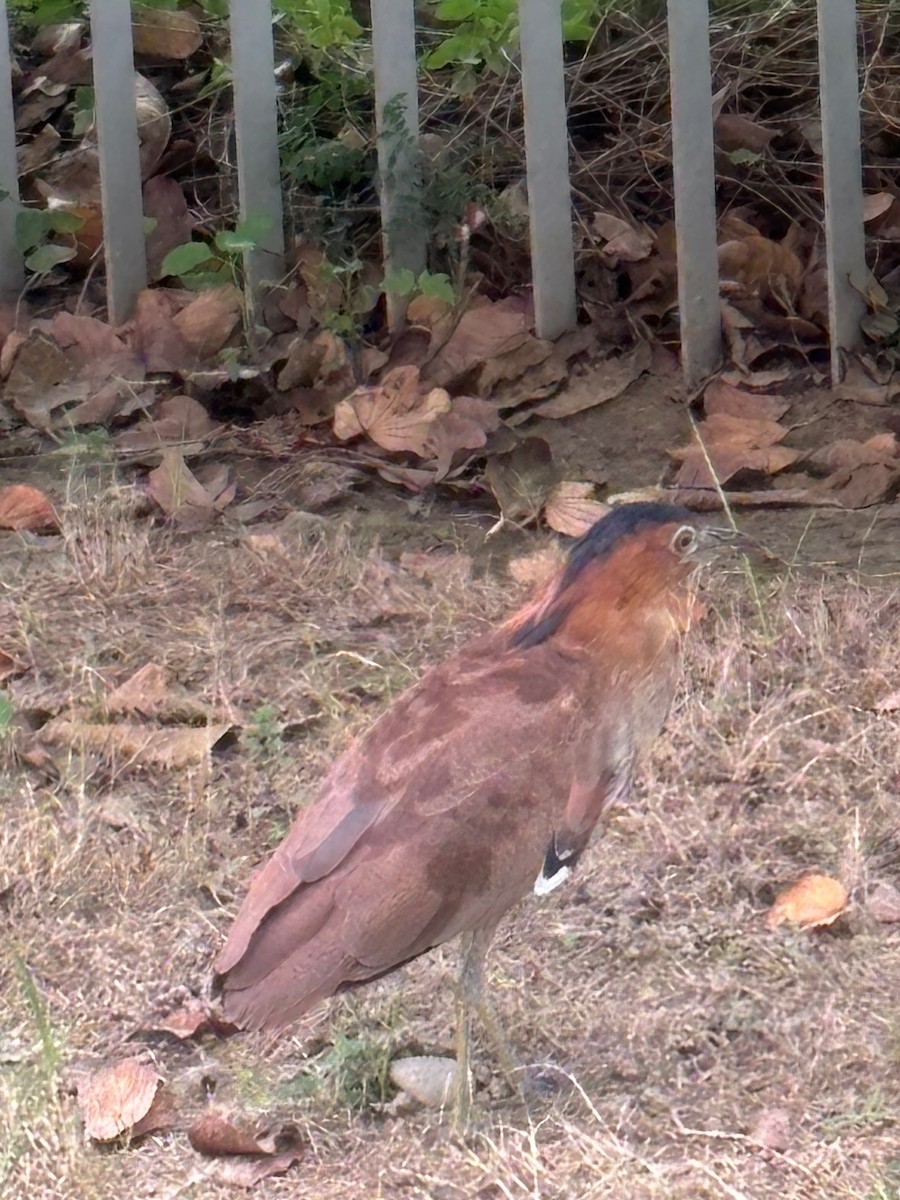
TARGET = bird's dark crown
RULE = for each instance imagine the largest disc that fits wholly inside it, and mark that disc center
(594, 546)
(603, 537)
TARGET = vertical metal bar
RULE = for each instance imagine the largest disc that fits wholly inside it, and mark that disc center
(256, 132)
(547, 166)
(845, 243)
(120, 167)
(693, 163)
(12, 275)
(397, 125)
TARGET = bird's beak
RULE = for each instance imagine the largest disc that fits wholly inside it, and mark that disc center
(716, 538)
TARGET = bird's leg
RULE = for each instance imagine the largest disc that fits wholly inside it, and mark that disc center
(470, 999)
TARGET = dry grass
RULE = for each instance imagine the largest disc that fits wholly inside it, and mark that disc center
(674, 1015)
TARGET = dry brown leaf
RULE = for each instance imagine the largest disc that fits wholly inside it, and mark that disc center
(218, 1131)
(248, 1172)
(608, 382)
(164, 34)
(193, 1019)
(734, 132)
(732, 444)
(761, 265)
(522, 479)
(11, 667)
(464, 427)
(144, 692)
(813, 901)
(863, 486)
(151, 333)
(394, 414)
(208, 321)
(180, 494)
(40, 380)
(26, 507)
(622, 242)
(114, 1099)
(876, 204)
(883, 902)
(847, 454)
(722, 397)
(85, 339)
(484, 331)
(180, 421)
(572, 508)
(135, 745)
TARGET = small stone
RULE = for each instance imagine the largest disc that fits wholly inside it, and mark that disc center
(884, 903)
(772, 1129)
(427, 1078)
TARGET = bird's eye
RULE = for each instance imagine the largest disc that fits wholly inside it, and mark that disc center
(684, 539)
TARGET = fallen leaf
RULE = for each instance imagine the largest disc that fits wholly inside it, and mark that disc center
(722, 397)
(218, 1131)
(193, 1019)
(608, 382)
(876, 204)
(572, 508)
(26, 507)
(772, 1129)
(208, 321)
(734, 132)
(144, 692)
(522, 479)
(152, 334)
(164, 34)
(113, 1099)
(761, 265)
(11, 667)
(888, 703)
(180, 421)
(165, 204)
(464, 427)
(135, 745)
(180, 494)
(484, 331)
(40, 379)
(623, 242)
(813, 901)
(248, 1172)
(847, 454)
(732, 444)
(394, 414)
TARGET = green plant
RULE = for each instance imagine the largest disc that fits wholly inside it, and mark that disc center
(353, 1072)
(407, 283)
(45, 237)
(7, 716)
(200, 265)
(262, 738)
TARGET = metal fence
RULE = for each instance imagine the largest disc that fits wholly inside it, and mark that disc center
(543, 83)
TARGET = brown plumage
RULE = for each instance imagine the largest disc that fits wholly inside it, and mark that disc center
(480, 784)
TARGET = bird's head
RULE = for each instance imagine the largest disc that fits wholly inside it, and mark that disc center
(637, 561)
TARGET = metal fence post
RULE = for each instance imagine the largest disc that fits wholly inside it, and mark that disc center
(693, 162)
(117, 145)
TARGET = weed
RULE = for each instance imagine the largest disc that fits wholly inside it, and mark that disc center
(263, 737)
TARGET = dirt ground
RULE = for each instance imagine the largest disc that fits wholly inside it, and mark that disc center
(681, 1028)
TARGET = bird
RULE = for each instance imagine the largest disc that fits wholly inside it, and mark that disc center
(480, 784)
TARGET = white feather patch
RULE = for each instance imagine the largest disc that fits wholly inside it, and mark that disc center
(546, 883)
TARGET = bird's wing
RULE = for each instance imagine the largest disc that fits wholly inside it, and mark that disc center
(433, 752)
(594, 789)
